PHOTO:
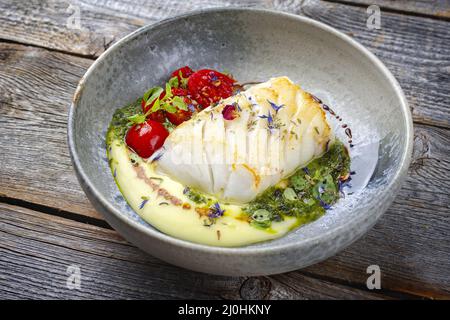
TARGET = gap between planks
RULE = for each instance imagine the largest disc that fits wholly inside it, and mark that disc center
(391, 9)
(61, 242)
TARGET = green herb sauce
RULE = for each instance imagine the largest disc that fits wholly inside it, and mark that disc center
(195, 196)
(305, 194)
(120, 122)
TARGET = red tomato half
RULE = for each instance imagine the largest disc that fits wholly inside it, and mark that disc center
(185, 72)
(208, 86)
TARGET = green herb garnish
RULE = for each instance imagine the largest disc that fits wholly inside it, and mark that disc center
(309, 192)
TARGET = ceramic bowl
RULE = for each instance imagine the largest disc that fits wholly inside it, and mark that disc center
(252, 45)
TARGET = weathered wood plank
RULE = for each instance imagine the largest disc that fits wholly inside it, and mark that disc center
(412, 260)
(36, 87)
(410, 243)
(36, 250)
(416, 49)
(54, 24)
(35, 93)
(435, 8)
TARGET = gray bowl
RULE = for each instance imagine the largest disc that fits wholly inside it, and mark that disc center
(253, 45)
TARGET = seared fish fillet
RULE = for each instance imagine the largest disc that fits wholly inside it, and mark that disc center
(277, 127)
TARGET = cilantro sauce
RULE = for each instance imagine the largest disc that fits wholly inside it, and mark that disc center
(188, 214)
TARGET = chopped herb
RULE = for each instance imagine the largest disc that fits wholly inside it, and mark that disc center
(179, 103)
(194, 195)
(137, 118)
(168, 94)
(308, 193)
(289, 194)
(120, 123)
(183, 81)
(174, 82)
(208, 222)
(152, 94)
(251, 125)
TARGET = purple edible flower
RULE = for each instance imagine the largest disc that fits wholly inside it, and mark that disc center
(305, 169)
(269, 119)
(159, 155)
(186, 190)
(213, 76)
(274, 106)
(216, 211)
(324, 205)
(191, 107)
(344, 183)
(143, 203)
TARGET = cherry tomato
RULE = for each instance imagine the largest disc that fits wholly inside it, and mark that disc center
(185, 72)
(147, 137)
(208, 86)
(182, 115)
(179, 117)
(160, 115)
(179, 92)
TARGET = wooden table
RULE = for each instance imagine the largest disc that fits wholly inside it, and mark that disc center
(47, 223)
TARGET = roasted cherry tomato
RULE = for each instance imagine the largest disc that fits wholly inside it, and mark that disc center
(208, 86)
(147, 137)
(182, 115)
(179, 117)
(160, 115)
(185, 72)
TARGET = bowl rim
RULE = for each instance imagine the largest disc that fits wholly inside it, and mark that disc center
(244, 250)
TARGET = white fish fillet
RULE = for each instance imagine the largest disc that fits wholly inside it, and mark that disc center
(237, 159)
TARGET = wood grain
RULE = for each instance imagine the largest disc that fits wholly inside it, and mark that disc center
(415, 49)
(432, 8)
(36, 250)
(410, 243)
(35, 93)
(52, 24)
